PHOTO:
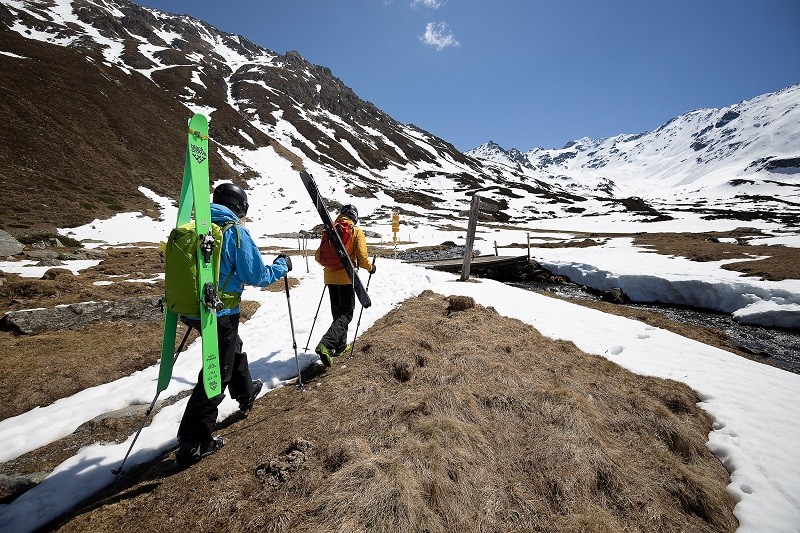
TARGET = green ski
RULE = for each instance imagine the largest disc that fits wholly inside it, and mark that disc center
(195, 198)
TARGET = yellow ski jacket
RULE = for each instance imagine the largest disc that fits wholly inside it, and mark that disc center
(358, 255)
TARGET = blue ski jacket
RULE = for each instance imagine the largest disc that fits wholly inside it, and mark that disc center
(241, 255)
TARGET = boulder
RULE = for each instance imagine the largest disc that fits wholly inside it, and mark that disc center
(49, 262)
(615, 296)
(9, 245)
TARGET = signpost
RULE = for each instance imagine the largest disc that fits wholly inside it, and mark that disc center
(395, 228)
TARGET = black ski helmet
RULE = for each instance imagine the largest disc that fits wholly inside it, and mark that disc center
(233, 197)
(350, 211)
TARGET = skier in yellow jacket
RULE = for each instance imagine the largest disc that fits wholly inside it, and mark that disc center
(340, 287)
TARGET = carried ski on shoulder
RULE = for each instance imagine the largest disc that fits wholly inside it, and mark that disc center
(358, 287)
(195, 206)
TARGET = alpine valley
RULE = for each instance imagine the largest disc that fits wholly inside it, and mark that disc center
(488, 405)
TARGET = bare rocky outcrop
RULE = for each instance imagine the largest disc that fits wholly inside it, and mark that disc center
(62, 317)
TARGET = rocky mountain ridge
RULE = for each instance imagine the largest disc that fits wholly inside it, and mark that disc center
(97, 91)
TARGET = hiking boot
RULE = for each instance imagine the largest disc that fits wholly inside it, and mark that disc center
(341, 351)
(324, 354)
(211, 447)
(246, 404)
(188, 454)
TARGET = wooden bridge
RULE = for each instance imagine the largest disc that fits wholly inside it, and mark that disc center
(516, 268)
(480, 265)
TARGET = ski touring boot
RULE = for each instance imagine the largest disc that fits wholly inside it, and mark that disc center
(246, 404)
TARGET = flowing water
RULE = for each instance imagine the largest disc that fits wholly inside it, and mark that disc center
(780, 348)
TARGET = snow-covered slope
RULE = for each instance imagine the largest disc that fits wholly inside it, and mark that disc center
(268, 112)
(748, 153)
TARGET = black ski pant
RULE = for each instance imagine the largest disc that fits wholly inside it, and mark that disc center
(343, 302)
(201, 412)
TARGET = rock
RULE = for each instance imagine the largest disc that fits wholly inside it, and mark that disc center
(49, 262)
(62, 317)
(11, 487)
(51, 242)
(287, 463)
(615, 296)
(9, 245)
(95, 253)
(80, 255)
(41, 254)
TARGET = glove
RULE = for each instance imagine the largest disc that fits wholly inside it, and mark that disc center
(286, 259)
(374, 268)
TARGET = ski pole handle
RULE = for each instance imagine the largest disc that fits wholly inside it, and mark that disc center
(374, 258)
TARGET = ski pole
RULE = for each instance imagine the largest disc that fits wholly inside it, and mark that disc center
(315, 317)
(291, 322)
(369, 278)
(118, 471)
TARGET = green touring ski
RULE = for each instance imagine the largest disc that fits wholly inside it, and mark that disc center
(195, 199)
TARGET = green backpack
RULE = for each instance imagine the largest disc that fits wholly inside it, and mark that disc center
(180, 270)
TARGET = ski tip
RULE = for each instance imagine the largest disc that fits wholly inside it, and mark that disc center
(198, 120)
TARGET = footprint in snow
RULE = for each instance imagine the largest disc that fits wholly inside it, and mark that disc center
(616, 350)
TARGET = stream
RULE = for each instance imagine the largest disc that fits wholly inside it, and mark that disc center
(778, 347)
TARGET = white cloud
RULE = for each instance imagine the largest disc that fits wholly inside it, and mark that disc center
(437, 34)
(433, 4)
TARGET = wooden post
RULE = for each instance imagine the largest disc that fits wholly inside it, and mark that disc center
(495, 249)
(529, 247)
(472, 225)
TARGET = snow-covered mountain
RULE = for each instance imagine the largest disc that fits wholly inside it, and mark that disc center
(269, 112)
(97, 91)
(707, 158)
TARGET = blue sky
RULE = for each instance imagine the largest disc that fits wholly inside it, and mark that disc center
(529, 73)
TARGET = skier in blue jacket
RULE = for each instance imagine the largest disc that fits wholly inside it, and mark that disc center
(240, 265)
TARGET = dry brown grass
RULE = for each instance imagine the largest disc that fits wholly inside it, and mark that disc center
(449, 418)
(122, 266)
(780, 263)
(40, 369)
